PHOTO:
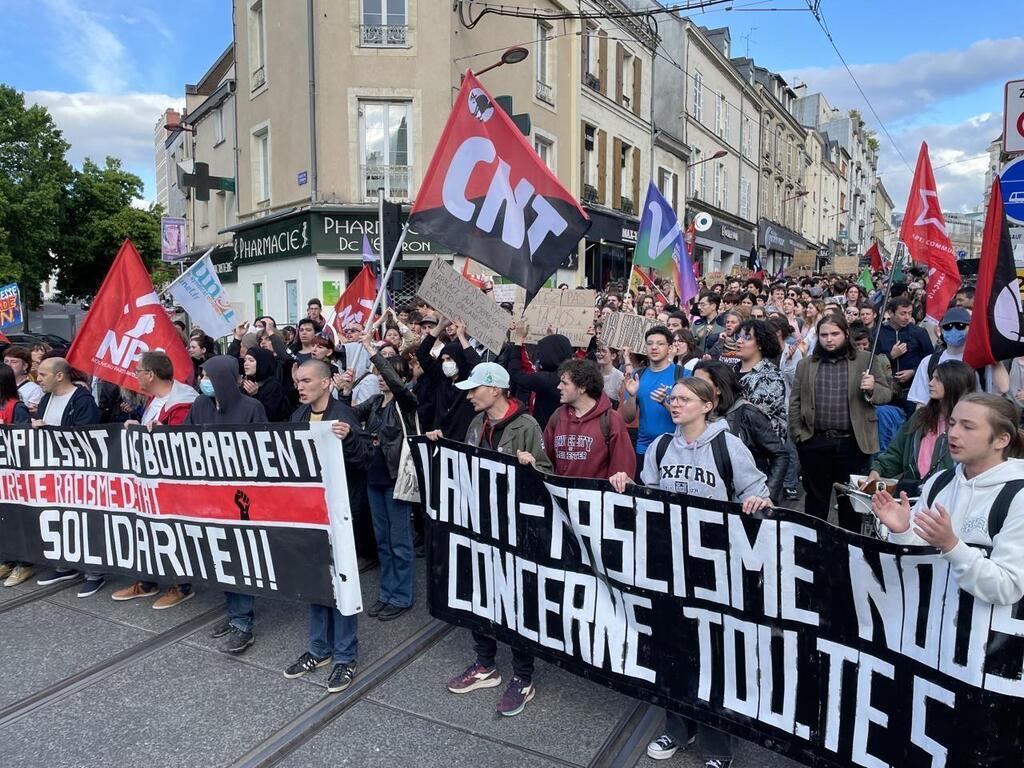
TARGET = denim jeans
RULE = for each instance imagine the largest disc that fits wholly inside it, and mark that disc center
(392, 525)
(240, 610)
(792, 479)
(331, 633)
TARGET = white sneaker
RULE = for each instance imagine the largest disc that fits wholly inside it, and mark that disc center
(662, 748)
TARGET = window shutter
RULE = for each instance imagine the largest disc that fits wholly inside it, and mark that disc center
(617, 173)
(637, 65)
(585, 52)
(620, 55)
(602, 166)
(602, 64)
(583, 155)
(636, 180)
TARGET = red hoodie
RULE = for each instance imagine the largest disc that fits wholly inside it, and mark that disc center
(577, 447)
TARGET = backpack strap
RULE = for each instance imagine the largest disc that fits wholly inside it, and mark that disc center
(942, 479)
(720, 452)
(605, 420)
(661, 447)
(933, 361)
(1001, 506)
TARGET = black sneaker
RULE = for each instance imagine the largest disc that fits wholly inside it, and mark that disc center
(791, 494)
(390, 612)
(90, 587)
(341, 677)
(376, 608)
(236, 641)
(305, 664)
(61, 574)
(221, 628)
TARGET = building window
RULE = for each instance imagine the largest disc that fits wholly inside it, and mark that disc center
(777, 201)
(291, 301)
(257, 46)
(545, 149)
(725, 119)
(625, 160)
(545, 91)
(260, 147)
(717, 189)
(384, 24)
(719, 107)
(668, 185)
(627, 80)
(692, 182)
(257, 299)
(218, 125)
(748, 138)
(745, 198)
(723, 203)
(386, 149)
(204, 213)
(698, 96)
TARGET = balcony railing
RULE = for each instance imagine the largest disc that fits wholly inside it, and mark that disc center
(589, 193)
(592, 81)
(259, 77)
(383, 35)
(545, 92)
(626, 205)
(394, 179)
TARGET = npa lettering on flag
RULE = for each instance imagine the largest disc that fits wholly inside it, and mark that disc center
(355, 303)
(125, 320)
(997, 325)
(924, 234)
(660, 244)
(487, 194)
(200, 293)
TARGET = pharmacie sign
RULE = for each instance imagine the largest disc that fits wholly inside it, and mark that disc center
(342, 233)
(283, 239)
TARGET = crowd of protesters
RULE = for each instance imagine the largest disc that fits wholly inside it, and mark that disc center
(773, 391)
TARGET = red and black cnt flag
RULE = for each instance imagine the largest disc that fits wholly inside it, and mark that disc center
(487, 194)
(997, 324)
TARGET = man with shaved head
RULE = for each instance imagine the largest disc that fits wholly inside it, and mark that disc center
(65, 404)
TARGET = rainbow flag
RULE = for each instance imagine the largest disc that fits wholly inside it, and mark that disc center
(660, 244)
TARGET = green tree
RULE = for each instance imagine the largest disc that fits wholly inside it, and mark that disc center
(98, 216)
(33, 175)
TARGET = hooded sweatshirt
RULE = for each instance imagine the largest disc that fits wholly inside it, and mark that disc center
(690, 467)
(515, 431)
(229, 406)
(442, 405)
(997, 577)
(172, 409)
(577, 447)
(552, 351)
(270, 394)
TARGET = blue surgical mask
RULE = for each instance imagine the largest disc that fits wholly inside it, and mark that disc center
(954, 338)
(206, 387)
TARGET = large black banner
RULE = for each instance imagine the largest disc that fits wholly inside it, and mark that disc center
(831, 648)
(259, 509)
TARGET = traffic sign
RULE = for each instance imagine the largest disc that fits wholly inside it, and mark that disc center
(1013, 117)
(961, 254)
(1012, 181)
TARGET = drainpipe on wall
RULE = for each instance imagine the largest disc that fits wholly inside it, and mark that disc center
(312, 104)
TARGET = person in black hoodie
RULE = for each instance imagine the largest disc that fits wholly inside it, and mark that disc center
(552, 351)
(332, 635)
(452, 412)
(223, 403)
(262, 383)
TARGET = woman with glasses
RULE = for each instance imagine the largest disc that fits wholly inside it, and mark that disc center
(707, 461)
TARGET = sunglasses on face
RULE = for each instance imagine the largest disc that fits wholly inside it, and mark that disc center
(955, 327)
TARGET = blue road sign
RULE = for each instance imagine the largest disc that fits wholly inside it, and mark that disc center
(1012, 181)
(302, 177)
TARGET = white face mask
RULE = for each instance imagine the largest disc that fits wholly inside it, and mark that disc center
(450, 368)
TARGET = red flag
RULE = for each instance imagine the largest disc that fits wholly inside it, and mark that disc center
(643, 278)
(356, 302)
(924, 233)
(125, 320)
(472, 278)
(876, 258)
(486, 193)
(997, 323)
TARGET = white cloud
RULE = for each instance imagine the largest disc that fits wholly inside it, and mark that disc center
(100, 124)
(88, 49)
(916, 82)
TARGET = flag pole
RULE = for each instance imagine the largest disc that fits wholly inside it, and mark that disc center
(386, 276)
(184, 272)
(896, 260)
(380, 232)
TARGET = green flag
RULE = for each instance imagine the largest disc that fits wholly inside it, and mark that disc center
(864, 281)
(897, 272)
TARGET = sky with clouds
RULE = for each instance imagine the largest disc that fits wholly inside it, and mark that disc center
(932, 69)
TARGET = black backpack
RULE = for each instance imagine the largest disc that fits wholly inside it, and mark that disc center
(1000, 507)
(719, 450)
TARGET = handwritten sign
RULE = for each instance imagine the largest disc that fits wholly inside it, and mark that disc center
(505, 293)
(845, 265)
(804, 257)
(713, 277)
(625, 330)
(10, 306)
(456, 298)
(569, 312)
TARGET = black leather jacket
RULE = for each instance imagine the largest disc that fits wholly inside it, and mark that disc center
(755, 430)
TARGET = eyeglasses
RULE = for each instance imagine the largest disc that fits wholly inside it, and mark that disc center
(680, 400)
(142, 370)
(955, 326)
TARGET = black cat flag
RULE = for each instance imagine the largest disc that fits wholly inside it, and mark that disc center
(488, 195)
(997, 324)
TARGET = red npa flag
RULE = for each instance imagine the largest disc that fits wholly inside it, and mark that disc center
(126, 319)
(472, 278)
(997, 323)
(924, 233)
(487, 194)
(356, 302)
(876, 258)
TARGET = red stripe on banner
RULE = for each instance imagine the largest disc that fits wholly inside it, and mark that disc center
(305, 505)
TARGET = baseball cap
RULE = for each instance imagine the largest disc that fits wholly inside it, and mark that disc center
(428, 320)
(486, 375)
(956, 315)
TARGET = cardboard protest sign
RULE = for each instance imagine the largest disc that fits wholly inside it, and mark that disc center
(803, 257)
(569, 312)
(622, 329)
(845, 265)
(456, 298)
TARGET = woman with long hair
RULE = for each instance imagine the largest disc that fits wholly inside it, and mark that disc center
(13, 411)
(760, 378)
(921, 447)
(729, 473)
(684, 350)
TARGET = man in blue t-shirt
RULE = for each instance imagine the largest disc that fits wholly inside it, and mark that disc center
(648, 389)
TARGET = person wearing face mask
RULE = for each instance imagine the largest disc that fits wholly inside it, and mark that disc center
(450, 412)
(262, 383)
(552, 351)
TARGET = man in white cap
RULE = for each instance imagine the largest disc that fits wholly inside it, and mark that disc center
(501, 425)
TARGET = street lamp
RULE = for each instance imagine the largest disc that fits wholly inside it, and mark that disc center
(512, 55)
(796, 196)
(717, 156)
